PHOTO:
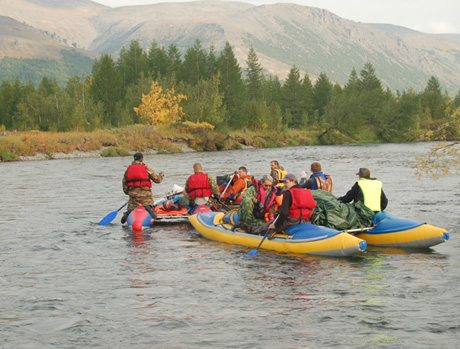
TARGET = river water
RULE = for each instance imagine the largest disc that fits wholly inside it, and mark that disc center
(67, 282)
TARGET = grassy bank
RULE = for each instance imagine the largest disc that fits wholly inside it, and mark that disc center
(124, 141)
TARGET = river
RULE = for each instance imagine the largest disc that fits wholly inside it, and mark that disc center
(67, 282)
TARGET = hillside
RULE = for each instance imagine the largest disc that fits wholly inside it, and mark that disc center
(29, 54)
(313, 39)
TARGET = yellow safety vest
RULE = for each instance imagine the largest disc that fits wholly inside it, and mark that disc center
(281, 174)
(372, 193)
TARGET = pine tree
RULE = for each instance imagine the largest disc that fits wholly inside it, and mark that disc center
(353, 85)
(231, 85)
(211, 63)
(254, 76)
(322, 93)
(132, 63)
(308, 97)
(106, 87)
(293, 99)
(368, 80)
(158, 61)
(372, 97)
(10, 94)
(174, 61)
(272, 91)
(193, 67)
(433, 100)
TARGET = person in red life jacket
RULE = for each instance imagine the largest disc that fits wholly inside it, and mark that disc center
(199, 189)
(367, 190)
(297, 205)
(137, 183)
(318, 180)
(240, 182)
(258, 205)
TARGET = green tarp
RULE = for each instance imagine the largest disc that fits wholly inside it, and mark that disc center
(332, 213)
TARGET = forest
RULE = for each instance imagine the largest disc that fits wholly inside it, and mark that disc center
(205, 86)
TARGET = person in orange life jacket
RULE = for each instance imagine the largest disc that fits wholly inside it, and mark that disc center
(318, 180)
(297, 205)
(199, 189)
(137, 183)
(277, 172)
(240, 182)
(367, 190)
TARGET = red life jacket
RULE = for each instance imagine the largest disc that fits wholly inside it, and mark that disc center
(261, 196)
(198, 185)
(302, 203)
(137, 176)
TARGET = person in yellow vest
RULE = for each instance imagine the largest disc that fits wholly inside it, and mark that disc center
(277, 172)
(367, 190)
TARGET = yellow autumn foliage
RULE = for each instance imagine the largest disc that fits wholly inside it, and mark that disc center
(444, 157)
(160, 107)
(189, 126)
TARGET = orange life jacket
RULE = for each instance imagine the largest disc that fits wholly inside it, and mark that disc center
(137, 176)
(324, 184)
(302, 203)
(247, 182)
(198, 185)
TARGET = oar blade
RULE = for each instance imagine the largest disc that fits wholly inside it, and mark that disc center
(252, 253)
(107, 219)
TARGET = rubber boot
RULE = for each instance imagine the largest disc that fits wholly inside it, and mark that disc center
(152, 212)
(124, 218)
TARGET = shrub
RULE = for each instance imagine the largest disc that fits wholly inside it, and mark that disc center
(6, 155)
(219, 141)
(166, 147)
(194, 127)
(259, 142)
(115, 151)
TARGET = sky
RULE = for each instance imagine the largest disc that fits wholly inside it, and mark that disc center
(429, 16)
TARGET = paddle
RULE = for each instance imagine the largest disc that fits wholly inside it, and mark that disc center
(229, 182)
(223, 204)
(111, 216)
(253, 252)
(357, 230)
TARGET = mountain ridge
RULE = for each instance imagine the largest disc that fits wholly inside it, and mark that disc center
(313, 39)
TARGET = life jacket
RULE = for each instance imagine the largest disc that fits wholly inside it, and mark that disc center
(302, 203)
(267, 200)
(269, 216)
(281, 175)
(372, 193)
(137, 176)
(324, 184)
(198, 185)
(247, 182)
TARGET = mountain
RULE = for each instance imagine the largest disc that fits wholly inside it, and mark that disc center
(313, 39)
(20, 40)
(29, 54)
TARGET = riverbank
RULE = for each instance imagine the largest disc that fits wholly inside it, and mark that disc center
(182, 138)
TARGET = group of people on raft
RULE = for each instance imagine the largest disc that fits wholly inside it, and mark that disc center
(275, 202)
